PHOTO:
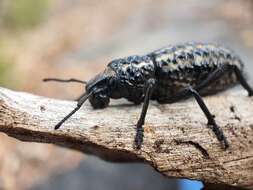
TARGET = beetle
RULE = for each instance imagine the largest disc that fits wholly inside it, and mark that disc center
(167, 75)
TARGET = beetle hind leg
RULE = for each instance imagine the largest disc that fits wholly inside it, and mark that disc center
(216, 75)
(211, 122)
(188, 92)
(243, 81)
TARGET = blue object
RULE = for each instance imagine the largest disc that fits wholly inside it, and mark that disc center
(186, 184)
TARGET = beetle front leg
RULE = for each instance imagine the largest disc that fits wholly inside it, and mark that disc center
(150, 85)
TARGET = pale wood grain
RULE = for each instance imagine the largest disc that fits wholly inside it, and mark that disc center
(177, 141)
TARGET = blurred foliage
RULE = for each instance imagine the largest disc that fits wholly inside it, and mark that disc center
(16, 16)
(5, 65)
(21, 14)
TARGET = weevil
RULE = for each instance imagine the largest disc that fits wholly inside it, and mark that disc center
(167, 75)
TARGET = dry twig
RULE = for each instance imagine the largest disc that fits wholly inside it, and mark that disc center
(177, 141)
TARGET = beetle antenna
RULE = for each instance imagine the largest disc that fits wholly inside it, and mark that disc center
(80, 102)
(64, 80)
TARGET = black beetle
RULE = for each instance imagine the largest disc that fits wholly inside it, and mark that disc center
(167, 75)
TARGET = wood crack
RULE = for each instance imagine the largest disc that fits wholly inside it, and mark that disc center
(200, 148)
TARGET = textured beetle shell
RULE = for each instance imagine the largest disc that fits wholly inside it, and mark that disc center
(173, 67)
(189, 64)
(134, 70)
(132, 73)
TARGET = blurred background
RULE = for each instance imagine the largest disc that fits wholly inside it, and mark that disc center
(77, 38)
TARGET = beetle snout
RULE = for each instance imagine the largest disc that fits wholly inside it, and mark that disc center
(99, 100)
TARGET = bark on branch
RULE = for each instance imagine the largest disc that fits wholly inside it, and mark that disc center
(177, 141)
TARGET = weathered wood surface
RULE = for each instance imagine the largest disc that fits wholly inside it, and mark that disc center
(177, 141)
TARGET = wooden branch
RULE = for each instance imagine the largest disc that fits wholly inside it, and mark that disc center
(177, 141)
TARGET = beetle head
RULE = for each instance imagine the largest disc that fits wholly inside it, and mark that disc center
(100, 88)
(124, 77)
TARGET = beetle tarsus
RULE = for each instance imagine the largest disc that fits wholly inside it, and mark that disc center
(219, 134)
(139, 137)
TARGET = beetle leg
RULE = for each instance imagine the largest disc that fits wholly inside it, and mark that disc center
(212, 78)
(220, 71)
(243, 81)
(150, 85)
(216, 129)
(189, 91)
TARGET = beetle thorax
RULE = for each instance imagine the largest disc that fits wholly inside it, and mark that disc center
(131, 75)
(133, 71)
